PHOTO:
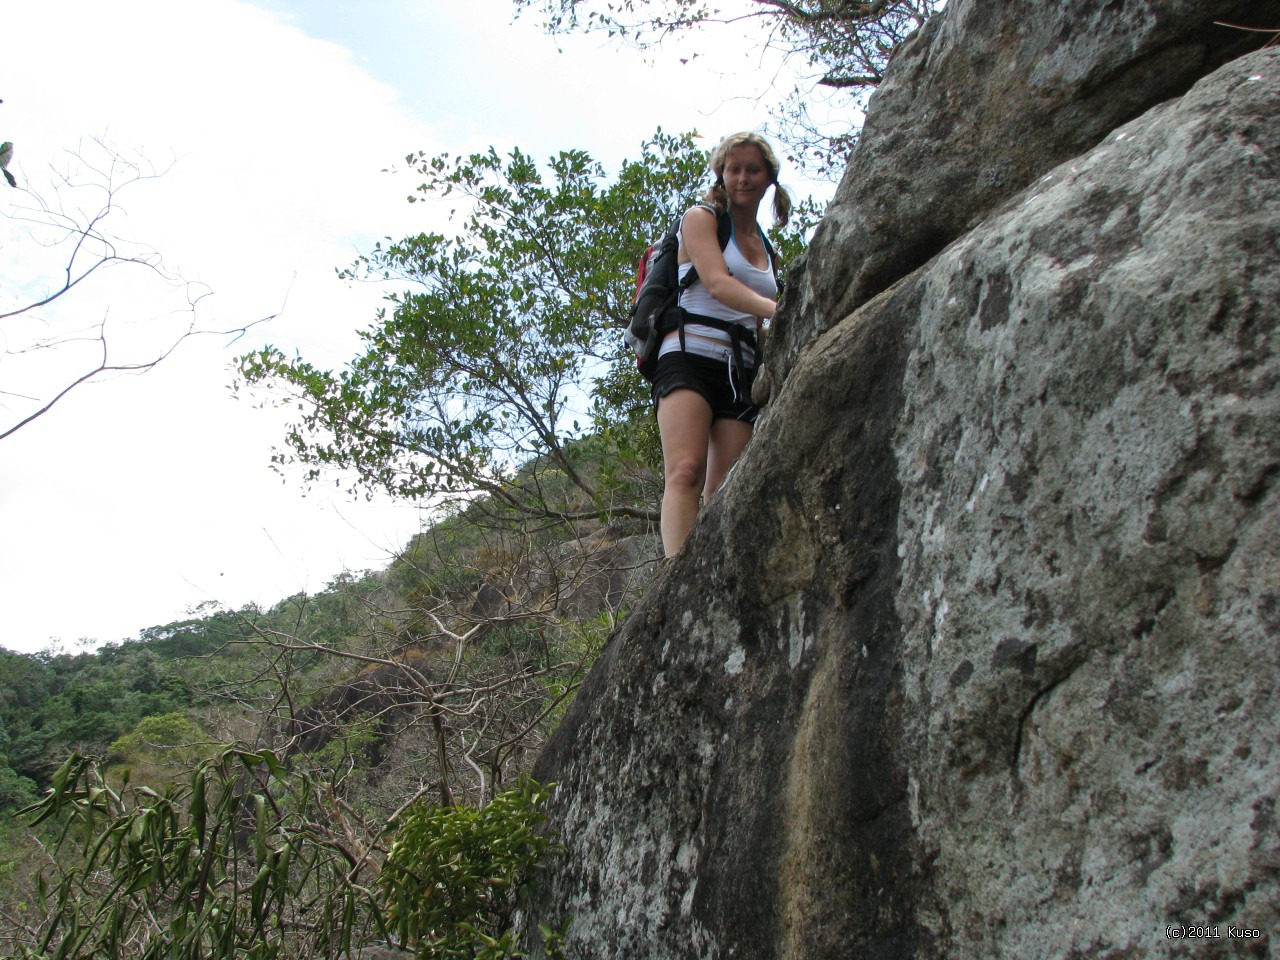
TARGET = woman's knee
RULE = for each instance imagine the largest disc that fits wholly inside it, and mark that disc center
(686, 473)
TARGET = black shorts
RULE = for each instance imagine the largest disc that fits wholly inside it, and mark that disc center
(726, 390)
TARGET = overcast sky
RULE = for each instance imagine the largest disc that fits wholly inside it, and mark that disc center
(278, 127)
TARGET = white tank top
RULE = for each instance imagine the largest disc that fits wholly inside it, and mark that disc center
(708, 341)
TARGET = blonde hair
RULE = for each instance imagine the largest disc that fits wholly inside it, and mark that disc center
(719, 197)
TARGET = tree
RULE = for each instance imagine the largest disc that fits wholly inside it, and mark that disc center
(58, 244)
(502, 372)
(844, 45)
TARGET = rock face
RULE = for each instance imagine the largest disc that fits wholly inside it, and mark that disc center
(985, 99)
(977, 652)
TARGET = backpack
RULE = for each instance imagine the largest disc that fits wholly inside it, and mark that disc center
(658, 286)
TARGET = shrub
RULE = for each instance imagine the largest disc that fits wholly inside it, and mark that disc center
(455, 876)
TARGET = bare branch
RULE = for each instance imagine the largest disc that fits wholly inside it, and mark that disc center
(59, 221)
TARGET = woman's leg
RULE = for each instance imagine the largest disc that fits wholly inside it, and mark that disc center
(728, 438)
(684, 421)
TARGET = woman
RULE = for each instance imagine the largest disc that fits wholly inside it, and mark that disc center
(702, 386)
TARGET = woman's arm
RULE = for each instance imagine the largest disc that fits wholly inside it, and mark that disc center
(702, 246)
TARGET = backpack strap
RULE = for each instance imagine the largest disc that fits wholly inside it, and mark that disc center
(724, 233)
(773, 261)
(724, 230)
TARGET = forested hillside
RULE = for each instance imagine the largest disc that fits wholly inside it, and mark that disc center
(55, 702)
(432, 682)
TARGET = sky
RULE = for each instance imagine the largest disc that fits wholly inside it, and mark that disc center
(277, 132)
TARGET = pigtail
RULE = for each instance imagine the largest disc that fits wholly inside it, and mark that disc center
(717, 195)
(781, 205)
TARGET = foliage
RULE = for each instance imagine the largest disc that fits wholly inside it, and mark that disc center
(455, 876)
(241, 861)
(501, 371)
(250, 860)
(317, 799)
(158, 745)
(457, 695)
(844, 46)
(51, 702)
(54, 702)
(15, 790)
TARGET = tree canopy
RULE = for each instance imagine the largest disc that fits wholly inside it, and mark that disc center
(841, 45)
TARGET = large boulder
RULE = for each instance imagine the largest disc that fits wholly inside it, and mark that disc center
(980, 661)
(983, 100)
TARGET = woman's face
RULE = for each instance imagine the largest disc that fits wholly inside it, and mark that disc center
(746, 175)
